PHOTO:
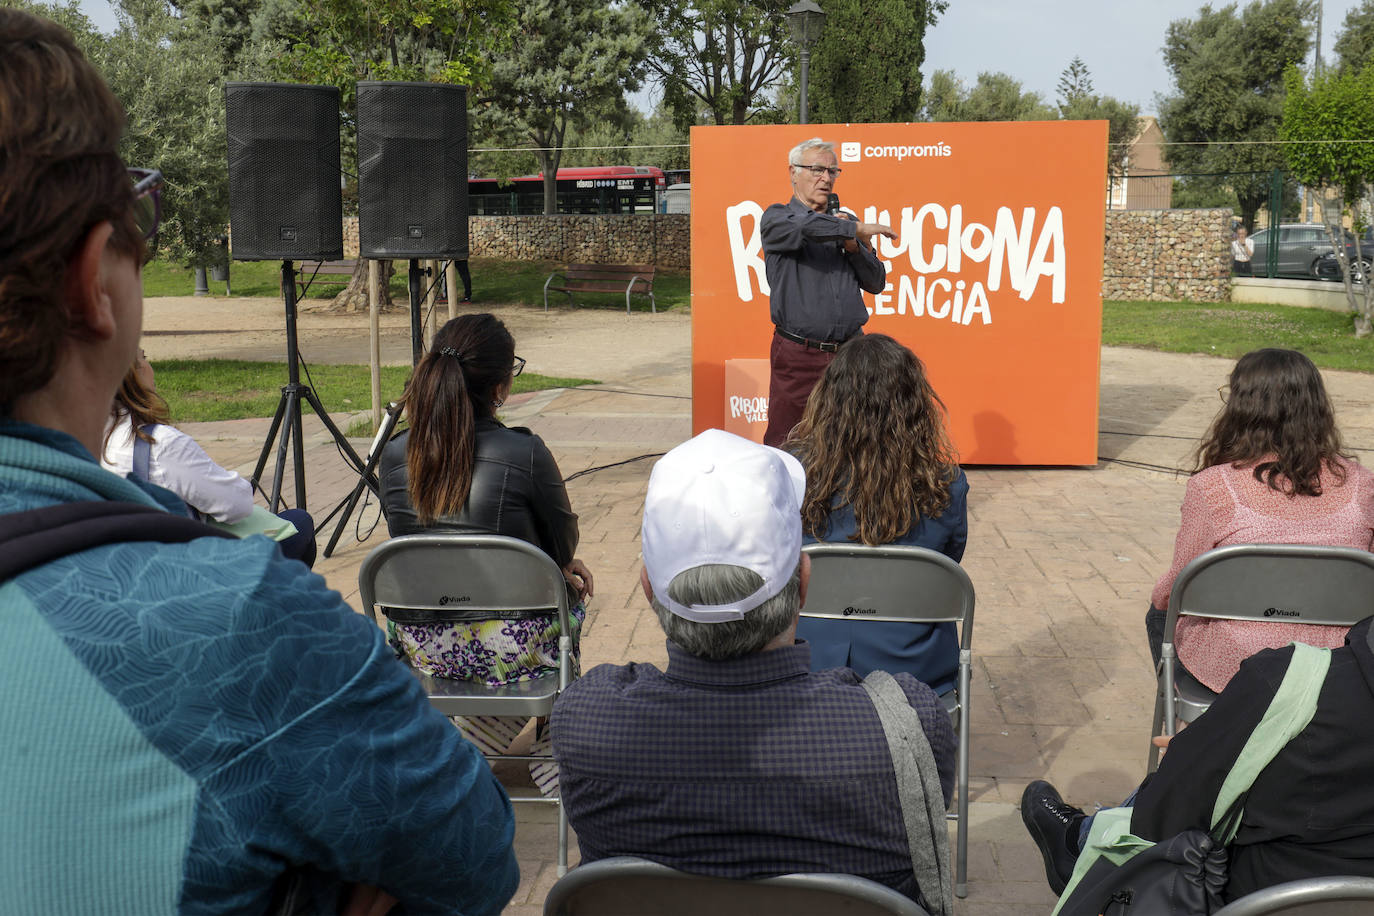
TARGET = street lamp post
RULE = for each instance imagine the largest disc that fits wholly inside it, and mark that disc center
(804, 19)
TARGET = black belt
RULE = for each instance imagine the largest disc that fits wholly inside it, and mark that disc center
(825, 346)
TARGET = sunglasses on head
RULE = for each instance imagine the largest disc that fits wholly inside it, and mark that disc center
(147, 204)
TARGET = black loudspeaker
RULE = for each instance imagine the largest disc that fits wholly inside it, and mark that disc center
(285, 202)
(412, 170)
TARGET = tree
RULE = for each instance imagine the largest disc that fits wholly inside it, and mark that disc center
(848, 81)
(229, 23)
(995, 97)
(721, 54)
(1355, 43)
(1325, 121)
(571, 57)
(1078, 102)
(1075, 83)
(1228, 68)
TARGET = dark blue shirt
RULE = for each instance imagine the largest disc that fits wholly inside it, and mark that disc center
(930, 652)
(815, 285)
(744, 768)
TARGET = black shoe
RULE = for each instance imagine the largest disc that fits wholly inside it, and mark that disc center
(1053, 824)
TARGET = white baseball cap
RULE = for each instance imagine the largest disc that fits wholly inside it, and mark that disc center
(721, 499)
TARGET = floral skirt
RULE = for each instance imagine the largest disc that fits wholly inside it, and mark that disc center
(492, 652)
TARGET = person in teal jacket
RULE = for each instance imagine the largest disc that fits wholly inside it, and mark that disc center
(184, 724)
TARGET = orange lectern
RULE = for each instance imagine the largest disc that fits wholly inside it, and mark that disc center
(994, 278)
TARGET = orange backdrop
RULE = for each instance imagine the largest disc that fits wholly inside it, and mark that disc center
(994, 280)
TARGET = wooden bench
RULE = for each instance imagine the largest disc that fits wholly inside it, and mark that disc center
(603, 278)
(306, 270)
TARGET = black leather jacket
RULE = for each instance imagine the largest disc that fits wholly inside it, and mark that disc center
(516, 491)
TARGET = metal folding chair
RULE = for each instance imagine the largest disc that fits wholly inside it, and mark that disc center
(627, 886)
(906, 585)
(1293, 583)
(428, 577)
(1334, 896)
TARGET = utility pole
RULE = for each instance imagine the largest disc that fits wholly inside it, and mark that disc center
(1317, 61)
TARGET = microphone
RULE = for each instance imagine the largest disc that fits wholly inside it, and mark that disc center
(832, 208)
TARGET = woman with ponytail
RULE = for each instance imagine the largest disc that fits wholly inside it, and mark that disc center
(459, 469)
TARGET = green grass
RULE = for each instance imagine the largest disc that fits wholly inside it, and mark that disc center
(1233, 329)
(494, 282)
(231, 389)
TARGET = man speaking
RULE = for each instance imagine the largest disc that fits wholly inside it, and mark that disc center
(817, 258)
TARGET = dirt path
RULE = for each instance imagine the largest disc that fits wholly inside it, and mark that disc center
(606, 345)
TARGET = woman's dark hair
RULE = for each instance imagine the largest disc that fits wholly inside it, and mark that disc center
(472, 356)
(873, 437)
(60, 175)
(1277, 417)
(144, 406)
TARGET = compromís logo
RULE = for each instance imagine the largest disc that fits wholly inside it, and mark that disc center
(921, 151)
(850, 151)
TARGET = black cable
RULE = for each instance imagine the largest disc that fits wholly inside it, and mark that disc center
(615, 464)
(642, 394)
(1142, 465)
(305, 287)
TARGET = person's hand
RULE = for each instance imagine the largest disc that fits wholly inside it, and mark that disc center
(1161, 740)
(579, 577)
(366, 900)
(864, 233)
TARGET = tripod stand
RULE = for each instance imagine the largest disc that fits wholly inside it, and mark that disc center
(289, 410)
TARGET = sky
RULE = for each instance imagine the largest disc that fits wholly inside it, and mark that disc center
(1034, 40)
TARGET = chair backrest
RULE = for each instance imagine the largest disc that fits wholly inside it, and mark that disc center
(628, 886)
(1334, 896)
(445, 572)
(1290, 583)
(905, 584)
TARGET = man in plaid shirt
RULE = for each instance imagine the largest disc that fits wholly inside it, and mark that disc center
(737, 761)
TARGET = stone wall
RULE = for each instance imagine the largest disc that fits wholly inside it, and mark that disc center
(1166, 255)
(661, 239)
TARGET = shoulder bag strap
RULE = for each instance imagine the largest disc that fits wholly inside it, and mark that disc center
(918, 790)
(1289, 712)
(38, 536)
(143, 453)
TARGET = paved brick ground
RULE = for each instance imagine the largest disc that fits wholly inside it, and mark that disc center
(1063, 561)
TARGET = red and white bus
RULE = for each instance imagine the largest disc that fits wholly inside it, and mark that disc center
(584, 189)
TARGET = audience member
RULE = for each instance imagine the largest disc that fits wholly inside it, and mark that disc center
(1270, 470)
(881, 470)
(1306, 815)
(459, 469)
(139, 440)
(184, 722)
(738, 760)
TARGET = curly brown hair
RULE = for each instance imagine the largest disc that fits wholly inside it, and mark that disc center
(873, 438)
(1278, 418)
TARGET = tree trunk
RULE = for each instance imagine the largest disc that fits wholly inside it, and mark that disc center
(354, 295)
(550, 182)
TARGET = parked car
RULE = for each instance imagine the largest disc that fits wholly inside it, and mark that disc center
(1329, 267)
(1300, 245)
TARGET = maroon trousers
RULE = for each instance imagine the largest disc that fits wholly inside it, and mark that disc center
(795, 369)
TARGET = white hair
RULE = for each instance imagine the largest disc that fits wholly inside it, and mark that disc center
(795, 157)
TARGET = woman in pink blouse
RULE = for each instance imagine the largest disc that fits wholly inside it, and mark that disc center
(1269, 471)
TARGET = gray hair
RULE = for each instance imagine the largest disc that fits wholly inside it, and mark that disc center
(795, 157)
(720, 584)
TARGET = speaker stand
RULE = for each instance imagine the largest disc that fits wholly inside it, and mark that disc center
(374, 456)
(289, 411)
(417, 323)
